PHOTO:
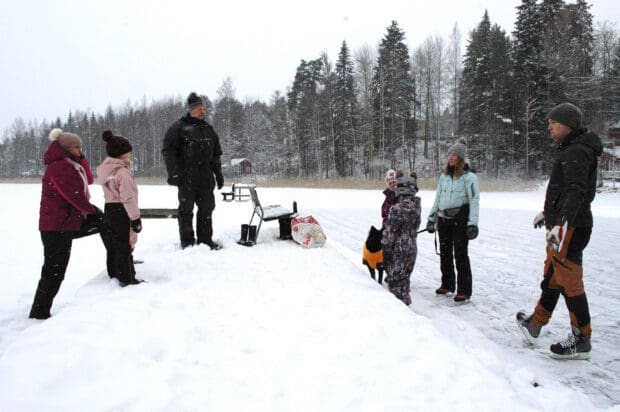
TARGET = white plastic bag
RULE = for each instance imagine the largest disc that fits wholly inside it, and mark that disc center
(307, 232)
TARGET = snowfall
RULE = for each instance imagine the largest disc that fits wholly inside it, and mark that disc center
(277, 327)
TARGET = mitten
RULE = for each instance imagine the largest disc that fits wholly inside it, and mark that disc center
(219, 178)
(472, 232)
(554, 235)
(539, 220)
(430, 226)
(136, 225)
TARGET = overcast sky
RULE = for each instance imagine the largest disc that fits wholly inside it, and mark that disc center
(62, 55)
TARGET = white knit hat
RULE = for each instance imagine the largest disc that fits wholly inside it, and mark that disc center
(65, 139)
(390, 176)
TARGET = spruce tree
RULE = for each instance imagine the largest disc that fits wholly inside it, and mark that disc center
(486, 107)
(304, 110)
(394, 99)
(528, 83)
(345, 113)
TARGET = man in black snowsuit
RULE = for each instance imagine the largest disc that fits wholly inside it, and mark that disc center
(568, 219)
(192, 155)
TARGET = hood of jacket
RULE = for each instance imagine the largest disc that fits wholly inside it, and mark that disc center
(56, 152)
(109, 167)
(586, 138)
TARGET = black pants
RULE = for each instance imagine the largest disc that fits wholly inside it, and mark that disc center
(119, 257)
(200, 195)
(453, 244)
(56, 253)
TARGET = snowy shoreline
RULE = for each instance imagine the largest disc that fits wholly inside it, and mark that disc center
(276, 327)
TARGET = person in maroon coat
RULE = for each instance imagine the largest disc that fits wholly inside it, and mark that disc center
(65, 214)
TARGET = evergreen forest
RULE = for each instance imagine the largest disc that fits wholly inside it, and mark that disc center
(386, 107)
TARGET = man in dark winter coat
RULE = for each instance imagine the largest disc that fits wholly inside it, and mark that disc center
(568, 219)
(192, 155)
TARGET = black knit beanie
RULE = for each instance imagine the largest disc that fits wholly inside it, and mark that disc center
(116, 145)
(193, 101)
(568, 114)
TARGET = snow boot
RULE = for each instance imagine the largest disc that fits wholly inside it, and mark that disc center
(461, 298)
(285, 228)
(41, 305)
(443, 291)
(44, 297)
(244, 235)
(575, 346)
(526, 324)
(213, 245)
(252, 233)
(132, 281)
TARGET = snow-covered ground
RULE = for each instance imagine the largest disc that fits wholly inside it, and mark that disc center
(276, 327)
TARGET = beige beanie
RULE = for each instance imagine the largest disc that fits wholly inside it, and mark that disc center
(65, 139)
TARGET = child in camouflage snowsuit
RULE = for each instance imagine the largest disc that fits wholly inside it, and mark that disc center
(399, 241)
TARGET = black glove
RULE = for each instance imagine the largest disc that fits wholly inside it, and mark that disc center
(430, 226)
(472, 232)
(136, 225)
(173, 180)
(219, 179)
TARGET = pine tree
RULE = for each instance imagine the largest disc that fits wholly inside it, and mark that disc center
(228, 119)
(486, 108)
(304, 111)
(281, 150)
(364, 59)
(528, 82)
(345, 113)
(394, 91)
(579, 66)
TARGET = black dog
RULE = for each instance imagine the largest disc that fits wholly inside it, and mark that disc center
(373, 253)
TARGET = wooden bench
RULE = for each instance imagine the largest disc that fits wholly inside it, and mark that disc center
(269, 213)
(237, 192)
(148, 213)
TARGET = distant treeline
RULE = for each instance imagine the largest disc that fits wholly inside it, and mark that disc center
(386, 108)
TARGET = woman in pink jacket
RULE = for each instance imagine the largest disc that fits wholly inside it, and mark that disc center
(65, 214)
(121, 215)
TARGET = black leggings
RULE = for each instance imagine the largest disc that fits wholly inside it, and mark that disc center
(119, 257)
(453, 246)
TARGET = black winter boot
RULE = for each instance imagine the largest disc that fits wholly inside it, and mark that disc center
(285, 228)
(244, 234)
(252, 235)
(43, 298)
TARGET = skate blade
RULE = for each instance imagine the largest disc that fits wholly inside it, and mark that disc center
(532, 340)
(572, 356)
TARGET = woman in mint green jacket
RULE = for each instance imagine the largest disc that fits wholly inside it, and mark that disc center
(455, 217)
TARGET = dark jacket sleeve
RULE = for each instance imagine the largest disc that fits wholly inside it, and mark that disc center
(170, 151)
(216, 162)
(575, 169)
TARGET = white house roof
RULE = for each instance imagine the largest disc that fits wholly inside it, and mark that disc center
(235, 162)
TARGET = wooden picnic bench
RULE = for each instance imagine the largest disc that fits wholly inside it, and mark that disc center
(237, 192)
(159, 213)
(269, 213)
